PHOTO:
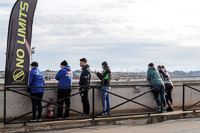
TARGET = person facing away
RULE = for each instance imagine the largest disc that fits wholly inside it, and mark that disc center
(168, 86)
(84, 83)
(36, 79)
(64, 77)
(157, 84)
(105, 78)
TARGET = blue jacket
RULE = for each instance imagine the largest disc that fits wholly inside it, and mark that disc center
(64, 77)
(36, 79)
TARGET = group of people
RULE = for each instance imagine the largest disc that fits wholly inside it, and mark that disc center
(64, 77)
(161, 84)
(159, 79)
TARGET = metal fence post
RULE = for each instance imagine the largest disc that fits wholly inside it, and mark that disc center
(183, 97)
(161, 87)
(4, 105)
(93, 104)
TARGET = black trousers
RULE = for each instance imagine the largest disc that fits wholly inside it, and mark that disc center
(85, 101)
(168, 90)
(36, 104)
(63, 93)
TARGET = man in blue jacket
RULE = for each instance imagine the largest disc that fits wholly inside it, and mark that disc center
(36, 79)
(64, 77)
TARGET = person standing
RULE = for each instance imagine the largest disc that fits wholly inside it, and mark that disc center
(64, 77)
(36, 79)
(168, 86)
(85, 83)
(157, 84)
(105, 78)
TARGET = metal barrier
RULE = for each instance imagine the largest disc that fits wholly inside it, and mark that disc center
(93, 116)
(189, 85)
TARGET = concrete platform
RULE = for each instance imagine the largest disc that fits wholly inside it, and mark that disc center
(124, 120)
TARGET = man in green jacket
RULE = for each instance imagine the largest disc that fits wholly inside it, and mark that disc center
(157, 84)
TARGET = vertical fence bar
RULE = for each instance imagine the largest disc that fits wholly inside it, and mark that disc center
(183, 97)
(93, 104)
(161, 98)
(4, 120)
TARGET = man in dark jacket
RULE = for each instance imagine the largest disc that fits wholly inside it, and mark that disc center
(36, 79)
(84, 83)
(105, 78)
(64, 77)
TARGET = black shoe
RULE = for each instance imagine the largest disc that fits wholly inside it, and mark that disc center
(170, 109)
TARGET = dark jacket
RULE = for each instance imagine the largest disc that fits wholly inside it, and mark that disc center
(85, 77)
(165, 76)
(105, 76)
(64, 77)
(36, 79)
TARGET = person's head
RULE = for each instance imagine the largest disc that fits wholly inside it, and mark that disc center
(163, 67)
(63, 64)
(104, 64)
(83, 62)
(159, 67)
(34, 64)
(150, 65)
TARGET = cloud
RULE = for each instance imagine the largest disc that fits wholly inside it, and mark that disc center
(133, 32)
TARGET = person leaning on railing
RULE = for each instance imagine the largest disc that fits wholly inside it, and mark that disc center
(36, 79)
(168, 86)
(157, 84)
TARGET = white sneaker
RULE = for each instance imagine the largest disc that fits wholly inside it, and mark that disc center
(39, 120)
(34, 120)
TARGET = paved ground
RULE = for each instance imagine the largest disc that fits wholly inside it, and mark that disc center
(191, 125)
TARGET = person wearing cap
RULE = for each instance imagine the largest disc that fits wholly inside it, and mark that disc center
(64, 77)
(36, 79)
(157, 84)
(84, 83)
(168, 86)
(105, 78)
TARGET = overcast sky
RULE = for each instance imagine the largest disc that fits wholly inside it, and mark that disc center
(126, 33)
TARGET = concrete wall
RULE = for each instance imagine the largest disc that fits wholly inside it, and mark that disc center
(18, 104)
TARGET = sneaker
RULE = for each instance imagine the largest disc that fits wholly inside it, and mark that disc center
(104, 114)
(33, 120)
(59, 118)
(39, 120)
(159, 109)
(109, 113)
(84, 116)
(170, 109)
(164, 110)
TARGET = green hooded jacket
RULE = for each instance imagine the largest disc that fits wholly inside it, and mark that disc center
(154, 77)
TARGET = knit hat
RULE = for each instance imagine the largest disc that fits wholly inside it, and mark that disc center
(64, 63)
(105, 63)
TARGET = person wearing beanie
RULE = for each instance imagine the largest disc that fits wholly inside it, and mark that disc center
(64, 77)
(168, 86)
(84, 83)
(157, 84)
(105, 78)
(36, 79)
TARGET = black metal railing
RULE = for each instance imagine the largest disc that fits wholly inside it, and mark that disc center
(191, 87)
(93, 115)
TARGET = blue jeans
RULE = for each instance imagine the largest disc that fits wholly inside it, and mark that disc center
(105, 99)
(160, 90)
